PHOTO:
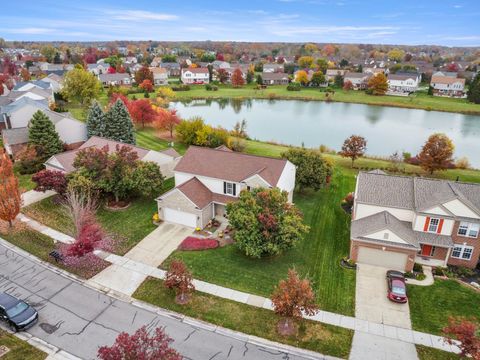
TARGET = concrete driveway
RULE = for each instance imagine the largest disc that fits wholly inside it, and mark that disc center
(151, 251)
(371, 301)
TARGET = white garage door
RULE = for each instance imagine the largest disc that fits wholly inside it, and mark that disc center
(389, 259)
(180, 217)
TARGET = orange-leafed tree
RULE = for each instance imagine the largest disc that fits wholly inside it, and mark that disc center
(467, 334)
(437, 153)
(378, 84)
(354, 147)
(180, 279)
(142, 112)
(302, 77)
(168, 119)
(25, 74)
(10, 199)
(146, 86)
(291, 299)
(237, 78)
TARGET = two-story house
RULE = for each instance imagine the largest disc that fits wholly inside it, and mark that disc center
(358, 80)
(208, 179)
(399, 220)
(115, 79)
(195, 76)
(160, 76)
(445, 85)
(403, 83)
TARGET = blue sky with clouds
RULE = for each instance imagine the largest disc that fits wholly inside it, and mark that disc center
(443, 22)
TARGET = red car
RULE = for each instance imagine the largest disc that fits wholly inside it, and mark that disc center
(397, 290)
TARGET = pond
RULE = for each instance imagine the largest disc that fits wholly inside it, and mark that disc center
(313, 123)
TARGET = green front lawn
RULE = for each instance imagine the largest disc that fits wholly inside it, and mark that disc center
(428, 353)
(431, 306)
(25, 182)
(19, 349)
(316, 257)
(323, 338)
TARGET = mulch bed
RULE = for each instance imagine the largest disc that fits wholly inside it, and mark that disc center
(117, 205)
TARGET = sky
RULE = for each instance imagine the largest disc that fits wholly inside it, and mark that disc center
(408, 22)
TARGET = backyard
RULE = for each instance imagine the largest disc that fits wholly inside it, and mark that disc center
(431, 306)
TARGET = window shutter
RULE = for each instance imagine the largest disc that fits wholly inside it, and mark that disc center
(427, 222)
(224, 187)
(234, 189)
(439, 229)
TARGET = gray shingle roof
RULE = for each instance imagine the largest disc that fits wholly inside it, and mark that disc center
(15, 136)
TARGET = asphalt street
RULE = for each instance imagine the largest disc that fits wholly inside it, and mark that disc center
(79, 320)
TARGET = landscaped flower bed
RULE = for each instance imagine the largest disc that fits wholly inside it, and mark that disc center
(193, 243)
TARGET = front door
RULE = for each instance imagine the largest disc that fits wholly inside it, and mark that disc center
(427, 250)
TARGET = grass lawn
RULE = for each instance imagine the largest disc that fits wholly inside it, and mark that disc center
(326, 339)
(19, 349)
(25, 182)
(41, 245)
(431, 306)
(129, 226)
(316, 257)
(428, 353)
(419, 100)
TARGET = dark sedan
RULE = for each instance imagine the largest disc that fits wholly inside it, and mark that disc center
(397, 290)
(17, 313)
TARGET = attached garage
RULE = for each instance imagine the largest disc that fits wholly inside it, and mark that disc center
(180, 217)
(388, 259)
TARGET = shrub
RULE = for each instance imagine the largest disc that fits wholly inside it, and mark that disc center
(29, 161)
(440, 271)
(50, 180)
(194, 243)
(462, 163)
(294, 86)
(236, 144)
(210, 87)
(181, 87)
(417, 268)
(421, 277)
(409, 275)
(406, 156)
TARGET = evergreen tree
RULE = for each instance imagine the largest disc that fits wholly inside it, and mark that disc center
(118, 124)
(43, 136)
(473, 94)
(95, 121)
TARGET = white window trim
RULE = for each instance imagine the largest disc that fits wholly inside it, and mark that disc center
(229, 188)
(436, 226)
(462, 251)
(469, 228)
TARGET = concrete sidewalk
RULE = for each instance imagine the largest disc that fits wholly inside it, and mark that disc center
(33, 196)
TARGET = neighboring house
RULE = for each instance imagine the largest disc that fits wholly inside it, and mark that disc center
(28, 85)
(156, 62)
(115, 79)
(18, 113)
(218, 64)
(400, 220)
(275, 78)
(56, 81)
(173, 69)
(160, 75)
(166, 159)
(403, 83)
(444, 85)
(34, 93)
(358, 80)
(97, 69)
(44, 66)
(208, 179)
(331, 73)
(374, 70)
(195, 76)
(14, 140)
(270, 68)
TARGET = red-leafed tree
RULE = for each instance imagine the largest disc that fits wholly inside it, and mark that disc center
(354, 147)
(111, 70)
(140, 346)
(142, 112)
(222, 75)
(50, 180)
(144, 73)
(180, 279)
(117, 96)
(291, 299)
(10, 199)
(91, 235)
(146, 85)
(467, 333)
(168, 119)
(237, 78)
(453, 67)
(347, 85)
(220, 57)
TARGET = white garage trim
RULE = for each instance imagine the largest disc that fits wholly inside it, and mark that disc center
(388, 259)
(180, 217)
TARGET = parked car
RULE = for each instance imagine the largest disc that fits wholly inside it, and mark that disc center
(17, 313)
(397, 290)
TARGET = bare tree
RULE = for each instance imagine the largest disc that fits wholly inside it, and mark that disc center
(81, 207)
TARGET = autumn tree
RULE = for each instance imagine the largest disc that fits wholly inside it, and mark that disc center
(322, 65)
(168, 119)
(302, 77)
(292, 299)
(146, 86)
(396, 54)
(329, 50)
(347, 85)
(180, 279)
(81, 86)
(466, 333)
(437, 153)
(144, 73)
(10, 199)
(313, 170)
(318, 78)
(43, 135)
(50, 180)
(354, 147)
(305, 62)
(222, 75)
(25, 74)
(141, 345)
(142, 112)
(237, 78)
(378, 84)
(265, 222)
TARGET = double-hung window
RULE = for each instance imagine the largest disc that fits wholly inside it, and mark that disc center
(433, 226)
(463, 252)
(229, 188)
(468, 229)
